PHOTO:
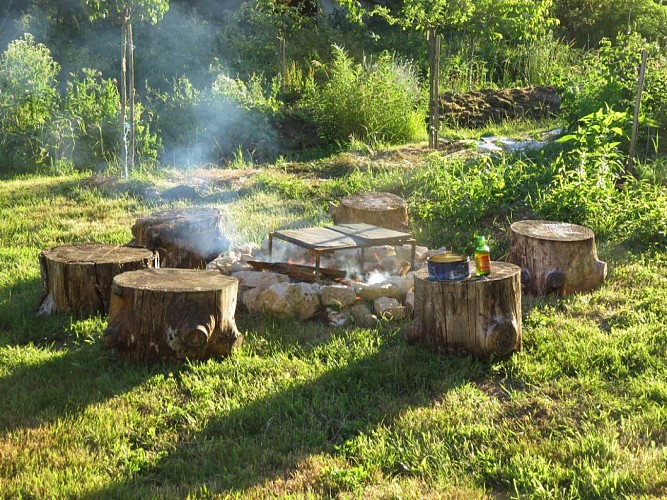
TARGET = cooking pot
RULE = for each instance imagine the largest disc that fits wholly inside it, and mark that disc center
(448, 267)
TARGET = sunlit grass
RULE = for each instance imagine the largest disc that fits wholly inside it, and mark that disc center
(303, 409)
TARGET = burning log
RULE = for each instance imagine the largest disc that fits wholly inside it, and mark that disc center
(298, 271)
(481, 316)
(77, 278)
(555, 257)
(161, 314)
(379, 209)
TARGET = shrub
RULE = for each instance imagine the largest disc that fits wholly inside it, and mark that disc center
(608, 77)
(28, 100)
(86, 130)
(585, 185)
(378, 101)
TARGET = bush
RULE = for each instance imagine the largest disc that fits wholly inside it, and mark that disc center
(217, 124)
(608, 77)
(379, 101)
(86, 130)
(585, 186)
(28, 101)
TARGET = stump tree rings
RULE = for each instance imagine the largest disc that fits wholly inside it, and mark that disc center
(77, 278)
(555, 257)
(377, 209)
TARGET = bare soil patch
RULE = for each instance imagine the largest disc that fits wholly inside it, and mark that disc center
(478, 109)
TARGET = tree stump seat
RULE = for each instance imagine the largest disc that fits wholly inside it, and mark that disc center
(385, 210)
(555, 257)
(480, 316)
(187, 238)
(160, 314)
(78, 278)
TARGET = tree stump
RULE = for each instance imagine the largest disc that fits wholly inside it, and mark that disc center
(159, 314)
(555, 257)
(77, 278)
(184, 238)
(481, 316)
(378, 209)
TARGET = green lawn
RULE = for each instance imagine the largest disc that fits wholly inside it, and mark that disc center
(303, 409)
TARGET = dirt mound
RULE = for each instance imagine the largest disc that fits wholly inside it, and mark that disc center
(477, 109)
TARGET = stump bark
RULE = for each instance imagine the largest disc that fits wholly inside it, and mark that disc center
(78, 278)
(378, 209)
(160, 314)
(481, 316)
(184, 238)
(555, 257)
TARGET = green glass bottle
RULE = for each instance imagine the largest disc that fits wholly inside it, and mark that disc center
(482, 257)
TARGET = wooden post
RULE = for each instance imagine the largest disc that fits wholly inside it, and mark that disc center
(159, 314)
(131, 150)
(555, 257)
(123, 97)
(635, 121)
(434, 88)
(481, 316)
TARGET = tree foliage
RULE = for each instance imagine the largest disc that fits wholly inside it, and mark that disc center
(151, 11)
(590, 21)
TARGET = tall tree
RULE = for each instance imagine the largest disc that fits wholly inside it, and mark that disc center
(125, 13)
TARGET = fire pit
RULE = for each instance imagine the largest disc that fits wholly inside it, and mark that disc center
(342, 237)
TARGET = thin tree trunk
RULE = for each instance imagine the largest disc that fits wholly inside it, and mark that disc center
(131, 152)
(434, 91)
(635, 121)
(282, 60)
(123, 98)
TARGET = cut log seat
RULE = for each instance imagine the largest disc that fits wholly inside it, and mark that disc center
(77, 278)
(159, 314)
(555, 257)
(480, 316)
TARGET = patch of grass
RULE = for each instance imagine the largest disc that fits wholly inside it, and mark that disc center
(307, 410)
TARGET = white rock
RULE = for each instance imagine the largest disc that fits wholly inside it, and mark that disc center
(259, 279)
(392, 263)
(376, 254)
(363, 316)
(339, 318)
(252, 299)
(299, 300)
(405, 251)
(338, 295)
(402, 283)
(372, 292)
(410, 300)
(388, 307)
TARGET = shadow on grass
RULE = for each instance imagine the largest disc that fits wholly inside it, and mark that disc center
(20, 325)
(43, 386)
(267, 437)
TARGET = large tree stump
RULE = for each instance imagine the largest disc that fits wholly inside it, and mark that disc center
(159, 314)
(77, 278)
(555, 257)
(481, 316)
(184, 238)
(378, 209)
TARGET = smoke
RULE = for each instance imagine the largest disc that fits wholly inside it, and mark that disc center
(176, 63)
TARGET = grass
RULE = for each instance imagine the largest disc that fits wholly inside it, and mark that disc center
(306, 410)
